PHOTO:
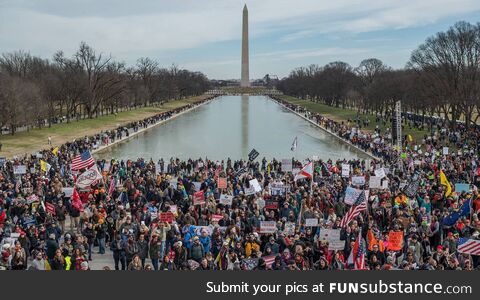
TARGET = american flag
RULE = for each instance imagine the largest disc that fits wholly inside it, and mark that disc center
(357, 207)
(111, 187)
(82, 161)
(359, 252)
(468, 246)
(269, 260)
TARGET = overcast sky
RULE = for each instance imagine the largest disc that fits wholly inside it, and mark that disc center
(205, 35)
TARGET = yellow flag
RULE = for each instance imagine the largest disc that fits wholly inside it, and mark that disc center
(55, 151)
(43, 165)
(410, 138)
(444, 181)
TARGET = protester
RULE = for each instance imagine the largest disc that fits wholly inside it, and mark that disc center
(413, 209)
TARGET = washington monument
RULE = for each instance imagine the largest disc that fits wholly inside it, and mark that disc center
(245, 80)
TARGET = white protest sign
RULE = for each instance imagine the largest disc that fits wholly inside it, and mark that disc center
(197, 185)
(260, 203)
(380, 172)
(19, 169)
(445, 151)
(268, 227)
(332, 236)
(68, 191)
(226, 199)
(345, 170)
(311, 222)
(375, 182)
(385, 184)
(249, 191)
(358, 180)
(256, 185)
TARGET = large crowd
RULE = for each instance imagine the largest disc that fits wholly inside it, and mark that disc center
(421, 206)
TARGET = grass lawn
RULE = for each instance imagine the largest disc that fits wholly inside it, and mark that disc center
(36, 139)
(340, 114)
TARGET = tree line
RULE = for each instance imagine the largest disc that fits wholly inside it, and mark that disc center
(36, 92)
(442, 78)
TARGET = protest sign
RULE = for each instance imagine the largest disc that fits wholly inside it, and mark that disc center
(351, 195)
(29, 221)
(445, 151)
(261, 203)
(462, 187)
(345, 170)
(268, 226)
(87, 178)
(375, 182)
(19, 169)
(32, 198)
(68, 191)
(384, 184)
(49, 208)
(167, 217)
(256, 185)
(380, 172)
(271, 204)
(395, 240)
(198, 198)
(174, 210)
(225, 199)
(279, 190)
(199, 229)
(249, 191)
(289, 228)
(253, 154)
(197, 185)
(358, 180)
(216, 218)
(222, 183)
(311, 222)
(332, 236)
(287, 165)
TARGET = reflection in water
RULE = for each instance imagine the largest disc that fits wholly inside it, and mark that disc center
(230, 127)
(244, 125)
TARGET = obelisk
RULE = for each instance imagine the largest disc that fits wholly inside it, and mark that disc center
(245, 79)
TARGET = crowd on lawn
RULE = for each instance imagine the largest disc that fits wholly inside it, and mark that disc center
(411, 209)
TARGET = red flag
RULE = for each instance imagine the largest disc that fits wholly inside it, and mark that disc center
(76, 202)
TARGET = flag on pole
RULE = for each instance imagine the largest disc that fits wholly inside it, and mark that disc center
(359, 206)
(76, 202)
(44, 166)
(453, 217)
(468, 246)
(82, 161)
(294, 144)
(111, 187)
(306, 172)
(444, 181)
(55, 151)
(359, 251)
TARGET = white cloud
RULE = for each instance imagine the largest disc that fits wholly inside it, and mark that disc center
(129, 29)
